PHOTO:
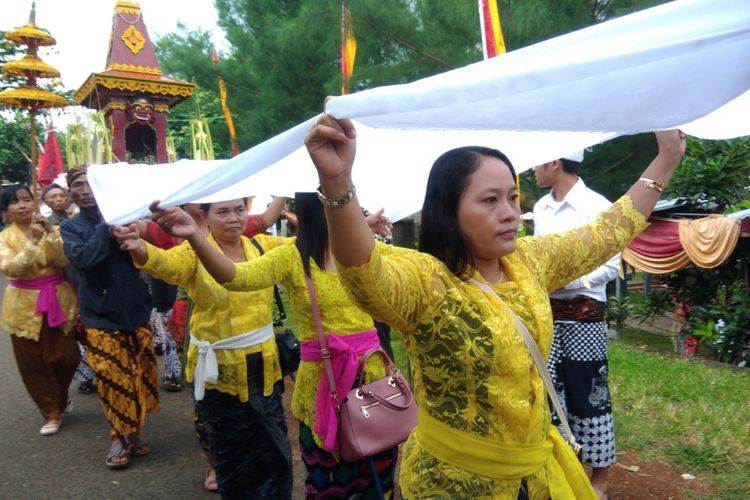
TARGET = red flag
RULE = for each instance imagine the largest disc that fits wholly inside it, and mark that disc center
(51, 163)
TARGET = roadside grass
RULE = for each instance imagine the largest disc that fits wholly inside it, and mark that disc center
(687, 413)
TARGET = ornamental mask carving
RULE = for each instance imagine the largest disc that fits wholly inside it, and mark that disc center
(140, 110)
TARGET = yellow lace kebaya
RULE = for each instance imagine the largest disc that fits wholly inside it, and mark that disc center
(480, 394)
(221, 314)
(338, 314)
(22, 259)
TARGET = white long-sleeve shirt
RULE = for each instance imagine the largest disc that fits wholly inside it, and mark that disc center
(580, 206)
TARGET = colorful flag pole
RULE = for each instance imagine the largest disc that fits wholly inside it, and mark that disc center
(493, 43)
(492, 34)
(348, 49)
(227, 112)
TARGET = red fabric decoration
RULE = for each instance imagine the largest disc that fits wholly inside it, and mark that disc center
(660, 240)
(51, 162)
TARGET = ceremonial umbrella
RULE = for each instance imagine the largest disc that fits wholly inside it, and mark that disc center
(29, 96)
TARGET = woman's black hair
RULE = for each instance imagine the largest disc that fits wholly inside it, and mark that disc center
(206, 206)
(439, 233)
(312, 233)
(10, 193)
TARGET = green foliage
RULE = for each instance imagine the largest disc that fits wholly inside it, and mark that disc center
(14, 148)
(657, 303)
(618, 310)
(713, 173)
(723, 323)
(188, 55)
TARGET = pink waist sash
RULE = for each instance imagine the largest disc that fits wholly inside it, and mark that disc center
(47, 301)
(344, 350)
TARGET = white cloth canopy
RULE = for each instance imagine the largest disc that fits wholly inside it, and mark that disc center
(682, 64)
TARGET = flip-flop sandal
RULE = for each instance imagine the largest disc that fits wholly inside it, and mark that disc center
(210, 484)
(136, 447)
(117, 450)
(172, 386)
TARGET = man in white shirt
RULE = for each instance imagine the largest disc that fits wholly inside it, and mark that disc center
(578, 357)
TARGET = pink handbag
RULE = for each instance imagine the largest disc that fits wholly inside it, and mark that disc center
(372, 417)
(378, 415)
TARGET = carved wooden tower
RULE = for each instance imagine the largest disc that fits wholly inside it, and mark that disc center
(132, 91)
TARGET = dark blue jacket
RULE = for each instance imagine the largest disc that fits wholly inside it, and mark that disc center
(111, 293)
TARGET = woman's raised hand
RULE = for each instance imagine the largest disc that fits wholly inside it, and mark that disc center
(174, 221)
(671, 143)
(379, 223)
(332, 146)
(39, 227)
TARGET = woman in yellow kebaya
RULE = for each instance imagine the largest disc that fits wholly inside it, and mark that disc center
(39, 306)
(352, 334)
(232, 361)
(484, 424)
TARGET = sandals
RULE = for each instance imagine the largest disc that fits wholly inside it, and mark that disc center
(172, 385)
(50, 427)
(210, 484)
(135, 446)
(118, 456)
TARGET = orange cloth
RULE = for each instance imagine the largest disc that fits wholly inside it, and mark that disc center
(709, 241)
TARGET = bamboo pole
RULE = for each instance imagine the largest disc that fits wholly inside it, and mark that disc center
(34, 183)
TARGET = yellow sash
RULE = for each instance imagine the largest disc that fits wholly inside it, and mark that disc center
(504, 461)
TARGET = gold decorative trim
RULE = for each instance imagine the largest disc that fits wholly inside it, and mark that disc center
(125, 10)
(115, 105)
(133, 39)
(135, 69)
(161, 108)
(133, 85)
(125, 7)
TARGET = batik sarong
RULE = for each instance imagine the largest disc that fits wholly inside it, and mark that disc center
(126, 376)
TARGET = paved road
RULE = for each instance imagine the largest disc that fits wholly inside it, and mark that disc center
(70, 464)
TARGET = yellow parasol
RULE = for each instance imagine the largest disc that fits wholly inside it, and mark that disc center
(29, 96)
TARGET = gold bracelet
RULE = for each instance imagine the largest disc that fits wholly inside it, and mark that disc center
(652, 184)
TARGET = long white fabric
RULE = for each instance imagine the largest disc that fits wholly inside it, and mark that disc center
(682, 64)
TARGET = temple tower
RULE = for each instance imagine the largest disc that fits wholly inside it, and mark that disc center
(132, 91)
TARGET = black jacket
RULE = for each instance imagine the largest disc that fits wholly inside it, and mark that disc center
(111, 293)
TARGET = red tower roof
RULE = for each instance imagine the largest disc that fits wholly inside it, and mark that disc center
(132, 66)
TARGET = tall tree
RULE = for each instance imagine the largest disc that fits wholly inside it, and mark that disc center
(14, 147)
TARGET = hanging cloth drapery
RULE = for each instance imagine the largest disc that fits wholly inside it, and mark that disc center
(668, 245)
(709, 241)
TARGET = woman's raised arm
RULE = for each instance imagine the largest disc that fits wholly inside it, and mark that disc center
(332, 147)
(645, 191)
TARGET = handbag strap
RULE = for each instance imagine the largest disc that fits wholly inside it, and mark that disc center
(541, 366)
(276, 292)
(325, 354)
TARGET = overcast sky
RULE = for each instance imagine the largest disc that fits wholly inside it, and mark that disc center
(82, 29)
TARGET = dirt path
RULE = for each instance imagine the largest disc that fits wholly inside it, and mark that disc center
(654, 480)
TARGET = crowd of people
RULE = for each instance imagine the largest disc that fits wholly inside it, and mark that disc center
(93, 301)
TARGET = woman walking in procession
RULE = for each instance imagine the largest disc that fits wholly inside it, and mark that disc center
(233, 360)
(353, 334)
(484, 423)
(39, 306)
